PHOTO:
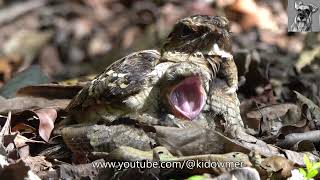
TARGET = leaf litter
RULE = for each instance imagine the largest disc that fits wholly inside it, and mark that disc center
(65, 43)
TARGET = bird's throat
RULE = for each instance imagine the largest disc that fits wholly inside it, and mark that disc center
(187, 98)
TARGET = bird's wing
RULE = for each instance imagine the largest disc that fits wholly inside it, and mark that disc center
(121, 79)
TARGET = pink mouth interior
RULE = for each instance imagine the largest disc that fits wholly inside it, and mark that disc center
(187, 97)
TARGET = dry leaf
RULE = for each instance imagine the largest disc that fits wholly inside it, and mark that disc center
(46, 116)
(37, 163)
(79, 171)
(314, 109)
(51, 91)
(269, 119)
(21, 141)
(22, 127)
(277, 163)
(40, 119)
(272, 111)
(291, 139)
(19, 104)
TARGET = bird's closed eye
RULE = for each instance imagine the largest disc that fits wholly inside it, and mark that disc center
(186, 31)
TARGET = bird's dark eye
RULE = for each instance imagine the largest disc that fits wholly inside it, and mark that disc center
(185, 31)
(307, 11)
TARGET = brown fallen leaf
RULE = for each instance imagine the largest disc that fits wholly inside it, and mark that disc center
(38, 121)
(297, 157)
(278, 164)
(270, 119)
(291, 139)
(22, 127)
(19, 104)
(244, 142)
(272, 111)
(37, 163)
(52, 91)
(46, 116)
(190, 141)
(21, 141)
(102, 138)
(314, 109)
(126, 153)
(14, 142)
(296, 128)
(79, 171)
(198, 140)
(21, 145)
(304, 145)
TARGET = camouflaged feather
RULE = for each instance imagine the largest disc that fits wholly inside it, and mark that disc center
(121, 79)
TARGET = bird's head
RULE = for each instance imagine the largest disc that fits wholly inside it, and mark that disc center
(196, 45)
(198, 33)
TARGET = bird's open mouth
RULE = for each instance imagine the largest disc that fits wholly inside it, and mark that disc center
(187, 98)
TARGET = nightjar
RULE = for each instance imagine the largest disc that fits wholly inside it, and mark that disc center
(192, 78)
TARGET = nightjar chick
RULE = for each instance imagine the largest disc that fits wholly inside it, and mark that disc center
(192, 78)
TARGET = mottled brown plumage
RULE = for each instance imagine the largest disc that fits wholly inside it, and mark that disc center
(193, 77)
(123, 78)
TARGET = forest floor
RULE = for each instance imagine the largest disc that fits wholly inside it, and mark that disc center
(50, 48)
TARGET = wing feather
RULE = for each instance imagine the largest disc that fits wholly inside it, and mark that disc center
(121, 79)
